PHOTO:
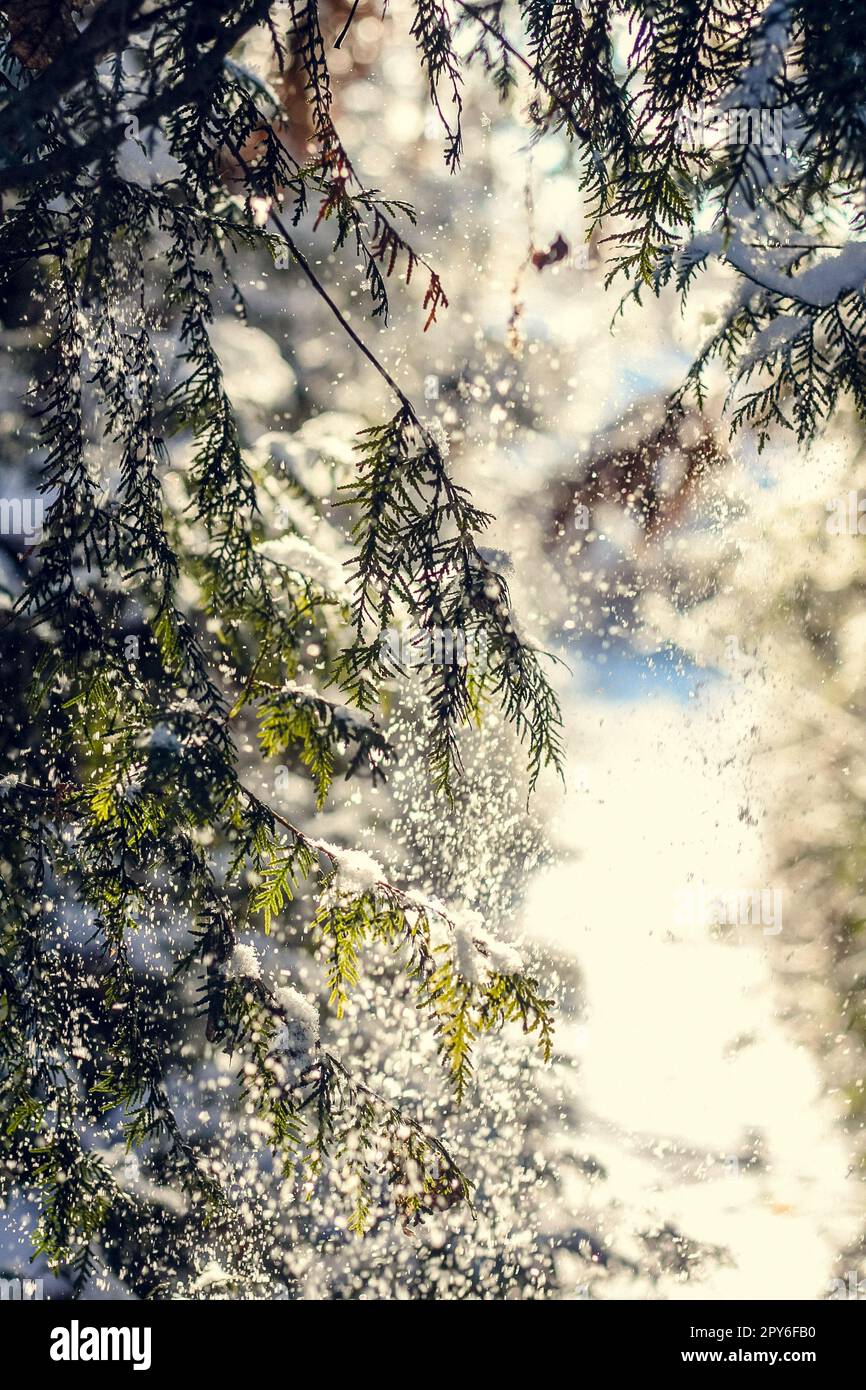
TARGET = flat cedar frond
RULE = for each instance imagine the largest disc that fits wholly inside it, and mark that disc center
(278, 878)
(321, 732)
(433, 31)
(416, 538)
(459, 983)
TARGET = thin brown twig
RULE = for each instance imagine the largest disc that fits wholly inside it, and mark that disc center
(307, 270)
(347, 26)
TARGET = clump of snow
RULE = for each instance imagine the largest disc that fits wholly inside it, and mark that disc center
(478, 953)
(307, 691)
(439, 435)
(426, 903)
(467, 958)
(298, 554)
(8, 783)
(163, 739)
(243, 963)
(298, 1036)
(261, 210)
(333, 434)
(293, 455)
(355, 871)
(475, 951)
(212, 1275)
(254, 370)
(502, 957)
(757, 84)
(819, 286)
(775, 337)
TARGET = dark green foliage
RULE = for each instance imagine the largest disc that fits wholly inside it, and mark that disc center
(122, 800)
(416, 541)
(776, 191)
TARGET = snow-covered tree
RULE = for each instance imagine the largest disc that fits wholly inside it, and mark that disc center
(157, 613)
(186, 599)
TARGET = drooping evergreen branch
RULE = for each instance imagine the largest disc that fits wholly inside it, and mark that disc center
(123, 804)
